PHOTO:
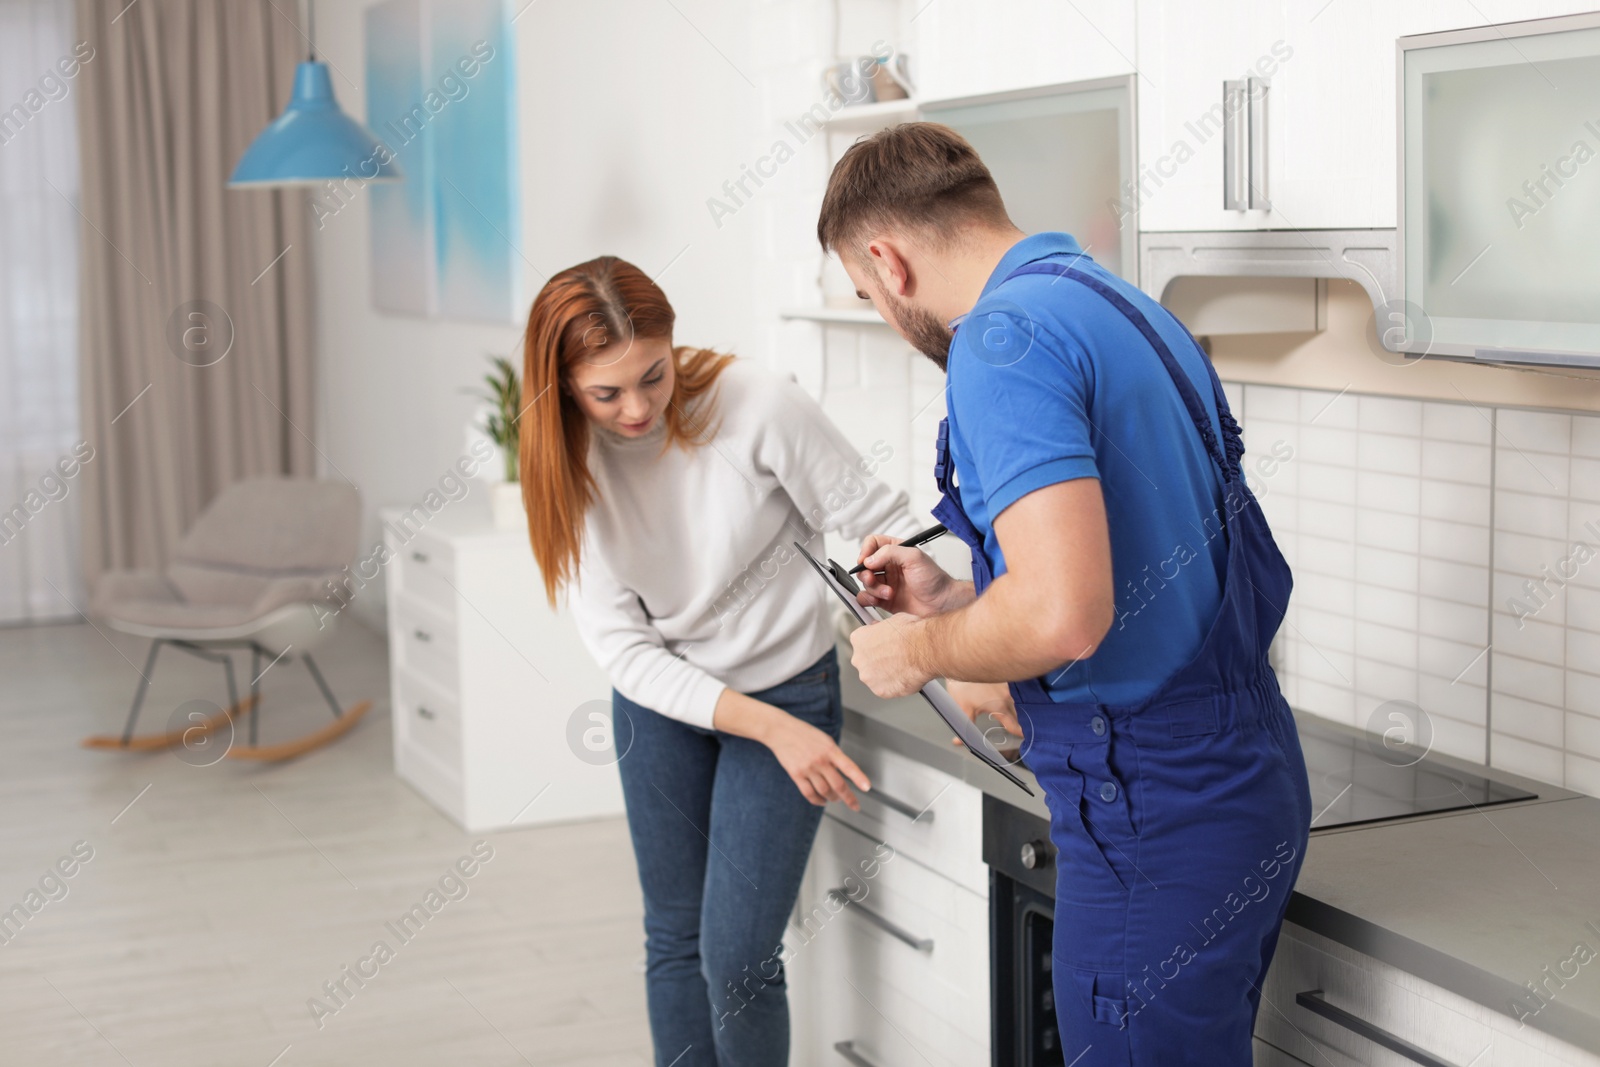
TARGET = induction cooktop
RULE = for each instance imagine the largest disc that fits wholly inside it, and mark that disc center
(1356, 780)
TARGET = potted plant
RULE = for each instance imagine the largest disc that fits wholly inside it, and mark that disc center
(501, 424)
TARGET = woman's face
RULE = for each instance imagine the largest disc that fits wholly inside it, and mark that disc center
(624, 386)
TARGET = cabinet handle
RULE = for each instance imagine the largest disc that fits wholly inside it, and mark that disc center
(921, 944)
(896, 804)
(1258, 144)
(1312, 1000)
(426, 713)
(422, 635)
(847, 1052)
(420, 557)
(1234, 146)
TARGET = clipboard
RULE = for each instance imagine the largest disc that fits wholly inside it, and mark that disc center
(839, 580)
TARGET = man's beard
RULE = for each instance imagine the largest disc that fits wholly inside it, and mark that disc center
(924, 330)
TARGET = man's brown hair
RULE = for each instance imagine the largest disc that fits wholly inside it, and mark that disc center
(918, 175)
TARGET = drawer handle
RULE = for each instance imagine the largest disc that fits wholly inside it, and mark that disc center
(1312, 1000)
(921, 944)
(423, 635)
(420, 557)
(426, 713)
(847, 1052)
(896, 804)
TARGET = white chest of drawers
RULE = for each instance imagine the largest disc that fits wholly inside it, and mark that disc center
(486, 678)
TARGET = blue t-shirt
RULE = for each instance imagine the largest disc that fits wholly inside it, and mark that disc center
(1048, 382)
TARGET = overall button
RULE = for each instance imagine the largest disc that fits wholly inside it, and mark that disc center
(1108, 791)
(1098, 725)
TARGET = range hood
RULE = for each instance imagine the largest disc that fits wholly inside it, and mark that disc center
(1265, 264)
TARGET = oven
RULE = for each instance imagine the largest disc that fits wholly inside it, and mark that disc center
(1022, 886)
(1356, 779)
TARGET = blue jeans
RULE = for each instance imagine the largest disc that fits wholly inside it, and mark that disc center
(721, 835)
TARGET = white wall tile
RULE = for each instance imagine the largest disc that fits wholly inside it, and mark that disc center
(1396, 570)
(1386, 681)
(1381, 529)
(1389, 453)
(1524, 757)
(1583, 648)
(1528, 471)
(1451, 661)
(1337, 522)
(1583, 690)
(1326, 631)
(1582, 774)
(1459, 701)
(1389, 415)
(1457, 462)
(1336, 702)
(1458, 739)
(1527, 513)
(1528, 680)
(1411, 570)
(1531, 721)
(1272, 402)
(1585, 479)
(1583, 610)
(1455, 422)
(1458, 542)
(1318, 407)
(1323, 555)
(1463, 583)
(1457, 503)
(1396, 493)
(1466, 623)
(1323, 444)
(1325, 593)
(1583, 735)
(1586, 436)
(1388, 606)
(1322, 481)
(1535, 431)
(1540, 641)
(1387, 644)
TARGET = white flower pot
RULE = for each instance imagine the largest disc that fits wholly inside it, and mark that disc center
(505, 501)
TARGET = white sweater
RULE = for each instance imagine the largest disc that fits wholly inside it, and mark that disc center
(688, 580)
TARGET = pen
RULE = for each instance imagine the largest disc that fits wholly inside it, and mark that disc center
(911, 542)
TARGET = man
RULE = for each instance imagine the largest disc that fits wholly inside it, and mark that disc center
(1125, 585)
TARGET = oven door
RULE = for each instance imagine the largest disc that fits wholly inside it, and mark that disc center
(1016, 846)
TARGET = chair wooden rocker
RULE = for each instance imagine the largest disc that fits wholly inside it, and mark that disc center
(253, 573)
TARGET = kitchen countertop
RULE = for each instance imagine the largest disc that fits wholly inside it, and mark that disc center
(1476, 902)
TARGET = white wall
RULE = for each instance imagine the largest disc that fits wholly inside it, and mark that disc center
(630, 119)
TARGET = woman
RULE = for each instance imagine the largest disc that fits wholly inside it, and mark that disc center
(669, 484)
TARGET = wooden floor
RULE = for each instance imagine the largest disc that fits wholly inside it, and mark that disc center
(220, 898)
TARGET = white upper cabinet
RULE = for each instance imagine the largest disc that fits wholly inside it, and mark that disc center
(967, 47)
(1328, 151)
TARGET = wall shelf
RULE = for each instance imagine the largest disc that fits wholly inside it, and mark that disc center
(872, 116)
(837, 316)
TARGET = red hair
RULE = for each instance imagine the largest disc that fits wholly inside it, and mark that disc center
(578, 311)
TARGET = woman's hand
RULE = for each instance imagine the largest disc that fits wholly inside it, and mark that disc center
(993, 698)
(910, 581)
(811, 758)
(815, 762)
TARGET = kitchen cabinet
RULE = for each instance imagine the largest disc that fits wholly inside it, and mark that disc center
(1329, 139)
(888, 951)
(967, 47)
(493, 696)
(1361, 993)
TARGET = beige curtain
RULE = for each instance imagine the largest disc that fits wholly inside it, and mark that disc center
(174, 264)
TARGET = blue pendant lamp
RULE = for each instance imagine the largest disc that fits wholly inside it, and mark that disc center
(313, 141)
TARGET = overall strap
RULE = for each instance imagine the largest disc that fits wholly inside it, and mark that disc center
(1227, 460)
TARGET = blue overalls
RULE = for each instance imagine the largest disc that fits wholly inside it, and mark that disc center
(1180, 823)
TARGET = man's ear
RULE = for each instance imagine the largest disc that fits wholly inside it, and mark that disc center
(888, 257)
